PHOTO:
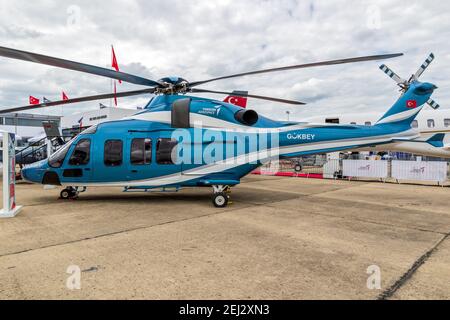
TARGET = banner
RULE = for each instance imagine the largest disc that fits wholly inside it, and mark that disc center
(9, 176)
(365, 168)
(11, 205)
(419, 170)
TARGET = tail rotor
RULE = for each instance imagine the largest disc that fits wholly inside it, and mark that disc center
(405, 84)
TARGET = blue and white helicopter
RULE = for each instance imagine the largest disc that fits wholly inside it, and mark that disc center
(186, 141)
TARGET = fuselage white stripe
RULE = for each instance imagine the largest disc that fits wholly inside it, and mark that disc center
(400, 116)
(230, 163)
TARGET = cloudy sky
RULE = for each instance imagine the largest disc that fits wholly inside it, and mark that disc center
(202, 39)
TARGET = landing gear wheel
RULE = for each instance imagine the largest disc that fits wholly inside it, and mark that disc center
(298, 167)
(220, 200)
(69, 193)
(65, 194)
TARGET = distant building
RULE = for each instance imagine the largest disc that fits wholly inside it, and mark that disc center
(71, 124)
(25, 125)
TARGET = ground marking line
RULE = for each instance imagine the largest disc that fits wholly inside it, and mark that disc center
(389, 292)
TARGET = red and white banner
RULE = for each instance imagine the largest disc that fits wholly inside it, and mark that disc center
(10, 209)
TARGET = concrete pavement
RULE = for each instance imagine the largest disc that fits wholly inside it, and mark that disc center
(282, 238)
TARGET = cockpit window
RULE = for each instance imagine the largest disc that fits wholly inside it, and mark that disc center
(56, 160)
(81, 153)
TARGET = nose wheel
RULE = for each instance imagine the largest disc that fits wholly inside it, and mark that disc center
(221, 196)
(71, 192)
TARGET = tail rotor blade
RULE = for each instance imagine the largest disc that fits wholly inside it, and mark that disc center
(424, 66)
(433, 104)
(392, 74)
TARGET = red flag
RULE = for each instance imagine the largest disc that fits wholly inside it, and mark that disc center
(236, 100)
(34, 100)
(114, 63)
(115, 91)
(64, 96)
(411, 104)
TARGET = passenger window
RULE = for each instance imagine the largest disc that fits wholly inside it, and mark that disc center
(415, 124)
(81, 153)
(113, 153)
(367, 123)
(430, 123)
(447, 123)
(164, 150)
(141, 151)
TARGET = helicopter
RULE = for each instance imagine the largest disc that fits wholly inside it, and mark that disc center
(179, 140)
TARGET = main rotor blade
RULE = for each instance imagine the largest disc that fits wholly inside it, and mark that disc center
(241, 94)
(81, 99)
(300, 66)
(76, 66)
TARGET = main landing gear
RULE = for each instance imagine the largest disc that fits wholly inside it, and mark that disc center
(221, 195)
(71, 192)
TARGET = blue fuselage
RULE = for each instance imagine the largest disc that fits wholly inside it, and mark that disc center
(216, 149)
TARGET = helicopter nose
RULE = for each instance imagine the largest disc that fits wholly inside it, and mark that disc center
(28, 174)
(32, 173)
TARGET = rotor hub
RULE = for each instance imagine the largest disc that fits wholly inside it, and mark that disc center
(172, 85)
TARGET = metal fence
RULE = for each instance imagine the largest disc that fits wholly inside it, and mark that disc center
(361, 167)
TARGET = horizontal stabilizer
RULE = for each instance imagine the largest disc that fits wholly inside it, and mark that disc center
(437, 140)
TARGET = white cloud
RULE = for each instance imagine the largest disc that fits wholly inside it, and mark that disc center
(202, 39)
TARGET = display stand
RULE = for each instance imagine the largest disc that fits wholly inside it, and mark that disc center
(10, 209)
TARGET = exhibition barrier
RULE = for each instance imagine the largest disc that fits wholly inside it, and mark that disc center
(365, 168)
(332, 169)
(419, 170)
(434, 171)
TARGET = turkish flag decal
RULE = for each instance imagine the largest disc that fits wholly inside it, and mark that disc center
(237, 101)
(411, 104)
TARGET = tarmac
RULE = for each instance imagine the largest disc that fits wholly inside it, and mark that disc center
(281, 238)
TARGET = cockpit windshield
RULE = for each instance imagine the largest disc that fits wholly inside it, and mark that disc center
(56, 160)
